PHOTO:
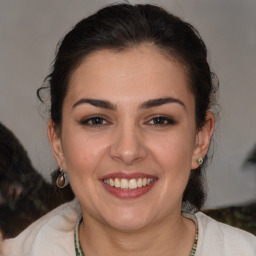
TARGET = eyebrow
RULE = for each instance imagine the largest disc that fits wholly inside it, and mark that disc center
(161, 101)
(97, 103)
(145, 105)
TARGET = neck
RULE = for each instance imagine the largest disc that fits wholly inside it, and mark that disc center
(172, 236)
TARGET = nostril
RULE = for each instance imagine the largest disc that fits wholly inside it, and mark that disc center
(128, 159)
(128, 148)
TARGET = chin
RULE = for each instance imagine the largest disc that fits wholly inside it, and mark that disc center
(128, 226)
(128, 221)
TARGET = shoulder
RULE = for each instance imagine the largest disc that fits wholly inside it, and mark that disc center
(215, 238)
(53, 234)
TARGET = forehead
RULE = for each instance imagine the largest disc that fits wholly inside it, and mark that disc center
(139, 72)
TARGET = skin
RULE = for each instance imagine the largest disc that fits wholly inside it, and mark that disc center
(131, 139)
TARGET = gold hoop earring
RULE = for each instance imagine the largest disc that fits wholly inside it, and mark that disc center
(200, 161)
(62, 180)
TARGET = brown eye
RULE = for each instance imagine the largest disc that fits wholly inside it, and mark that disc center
(94, 121)
(162, 120)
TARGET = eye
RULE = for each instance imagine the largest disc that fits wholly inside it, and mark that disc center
(162, 121)
(94, 121)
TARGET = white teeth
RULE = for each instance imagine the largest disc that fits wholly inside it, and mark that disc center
(124, 183)
(128, 184)
(132, 184)
(117, 183)
(106, 181)
(111, 183)
(139, 183)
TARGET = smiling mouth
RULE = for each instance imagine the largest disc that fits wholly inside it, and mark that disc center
(128, 184)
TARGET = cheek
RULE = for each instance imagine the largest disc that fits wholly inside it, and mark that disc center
(82, 153)
(174, 149)
(173, 153)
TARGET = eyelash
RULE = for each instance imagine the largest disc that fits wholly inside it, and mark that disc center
(162, 121)
(97, 121)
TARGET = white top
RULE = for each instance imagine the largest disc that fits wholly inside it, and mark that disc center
(53, 234)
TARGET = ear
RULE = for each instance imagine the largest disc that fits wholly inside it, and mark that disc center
(203, 139)
(56, 143)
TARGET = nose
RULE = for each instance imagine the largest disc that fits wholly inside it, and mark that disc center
(128, 146)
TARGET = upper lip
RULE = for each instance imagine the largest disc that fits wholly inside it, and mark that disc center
(122, 175)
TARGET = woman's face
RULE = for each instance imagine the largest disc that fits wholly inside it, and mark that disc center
(128, 140)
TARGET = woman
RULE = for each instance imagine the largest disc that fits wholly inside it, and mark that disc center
(131, 124)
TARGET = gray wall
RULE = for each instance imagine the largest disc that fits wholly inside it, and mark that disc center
(29, 31)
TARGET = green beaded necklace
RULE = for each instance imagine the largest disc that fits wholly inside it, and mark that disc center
(79, 251)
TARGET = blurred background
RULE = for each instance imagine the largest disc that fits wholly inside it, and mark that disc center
(30, 30)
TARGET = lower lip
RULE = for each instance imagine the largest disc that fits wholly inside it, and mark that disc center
(128, 194)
